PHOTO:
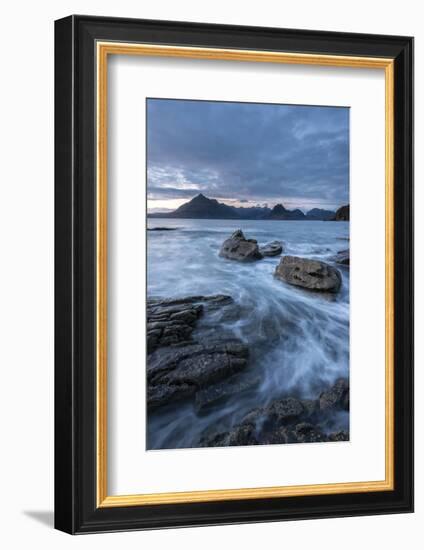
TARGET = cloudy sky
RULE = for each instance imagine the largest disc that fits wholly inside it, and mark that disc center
(246, 154)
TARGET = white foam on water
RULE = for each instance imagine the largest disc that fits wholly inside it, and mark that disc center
(299, 340)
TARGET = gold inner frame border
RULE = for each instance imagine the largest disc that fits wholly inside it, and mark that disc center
(103, 50)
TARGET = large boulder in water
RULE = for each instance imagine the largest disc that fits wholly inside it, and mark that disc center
(237, 247)
(275, 248)
(310, 274)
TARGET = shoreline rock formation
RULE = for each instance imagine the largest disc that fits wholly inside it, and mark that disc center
(342, 257)
(174, 373)
(309, 274)
(178, 366)
(237, 247)
(201, 362)
(274, 248)
(288, 420)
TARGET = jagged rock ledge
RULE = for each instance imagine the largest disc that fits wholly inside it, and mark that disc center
(288, 420)
(171, 321)
(180, 367)
(180, 372)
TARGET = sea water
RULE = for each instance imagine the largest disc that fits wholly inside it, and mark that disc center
(299, 340)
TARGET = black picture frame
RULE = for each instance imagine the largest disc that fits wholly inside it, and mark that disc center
(76, 510)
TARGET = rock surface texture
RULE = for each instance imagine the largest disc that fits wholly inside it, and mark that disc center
(170, 322)
(336, 397)
(275, 248)
(288, 420)
(342, 257)
(174, 373)
(180, 366)
(310, 274)
(238, 248)
(217, 393)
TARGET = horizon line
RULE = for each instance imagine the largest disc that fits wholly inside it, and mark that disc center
(221, 200)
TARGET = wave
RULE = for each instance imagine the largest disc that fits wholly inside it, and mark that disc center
(299, 340)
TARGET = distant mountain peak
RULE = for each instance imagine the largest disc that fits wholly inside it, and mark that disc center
(202, 199)
(202, 207)
(199, 197)
(280, 212)
(320, 214)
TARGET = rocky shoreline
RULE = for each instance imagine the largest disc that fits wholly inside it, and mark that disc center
(193, 358)
(208, 371)
(179, 366)
(289, 420)
(307, 273)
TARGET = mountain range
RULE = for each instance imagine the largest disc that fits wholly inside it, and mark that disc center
(201, 207)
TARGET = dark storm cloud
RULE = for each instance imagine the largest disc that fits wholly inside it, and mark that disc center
(250, 152)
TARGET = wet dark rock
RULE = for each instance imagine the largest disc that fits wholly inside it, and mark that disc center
(220, 299)
(287, 420)
(234, 386)
(304, 432)
(179, 366)
(309, 274)
(241, 435)
(162, 228)
(341, 435)
(238, 248)
(279, 412)
(342, 257)
(274, 248)
(337, 397)
(162, 394)
(171, 322)
(174, 373)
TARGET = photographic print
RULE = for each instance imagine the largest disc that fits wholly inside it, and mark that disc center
(247, 274)
(204, 176)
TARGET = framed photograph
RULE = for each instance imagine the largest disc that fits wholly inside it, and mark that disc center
(234, 269)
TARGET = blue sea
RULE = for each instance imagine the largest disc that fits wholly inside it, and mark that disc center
(299, 339)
